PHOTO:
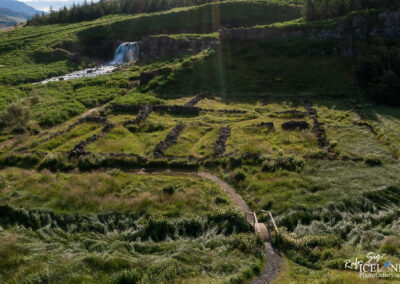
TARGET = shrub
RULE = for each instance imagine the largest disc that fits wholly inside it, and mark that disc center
(127, 277)
(114, 172)
(170, 189)
(337, 263)
(391, 245)
(92, 161)
(246, 243)
(212, 163)
(19, 129)
(273, 163)
(317, 154)
(38, 278)
(158, 230)
(15, 115)
(229, 222)
(117, 163)
(157, 164)
(240, 176)
(372, 160)
(54, 162)
(19, 160)
(235, 162)
(220, 200)
(190, 227)
(183, 164)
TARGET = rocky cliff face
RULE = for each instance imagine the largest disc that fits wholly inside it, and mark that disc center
(163, 46)
(386, 25)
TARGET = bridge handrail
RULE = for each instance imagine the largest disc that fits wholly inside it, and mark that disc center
(255, 220)
(272, 219)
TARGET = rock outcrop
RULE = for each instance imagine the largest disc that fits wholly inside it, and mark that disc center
(386, 25)
(163, 46)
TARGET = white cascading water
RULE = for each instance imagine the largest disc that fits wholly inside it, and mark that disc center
(126, 52)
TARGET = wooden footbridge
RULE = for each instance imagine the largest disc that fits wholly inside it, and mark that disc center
(262, 229)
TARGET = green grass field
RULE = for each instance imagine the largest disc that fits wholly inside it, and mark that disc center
(109, 221)
(109, 226)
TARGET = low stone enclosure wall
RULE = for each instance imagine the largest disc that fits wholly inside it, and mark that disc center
(78, 150)
(141, 117)
(170, 140)
(318, 127)
(159, 158)
(95, 119)
(268, 125)
(195, 100)
(362, 117)
(295, 125)
(292, 113)
(173, 109)
(220, 145)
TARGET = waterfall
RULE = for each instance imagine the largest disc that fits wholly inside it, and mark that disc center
(126, 52)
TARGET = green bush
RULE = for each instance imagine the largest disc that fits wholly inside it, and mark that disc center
(372, 160)
(220, 200)
(212, 163)
(391, 245)
(19, 160)
(54, 162)
(190, 227)
(37, 278)
(235, 162)
(127, 277)
(240, 176)
(122, 163)
(274, 163)
(229, 222)
(183, 164)
(157, 164)
(92, 161)
(317, 154)
(170, 189)
(159, 229)
(15, 116)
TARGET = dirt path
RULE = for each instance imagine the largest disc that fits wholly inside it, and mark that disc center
(236, 198)
(274, 257)
(273, 267)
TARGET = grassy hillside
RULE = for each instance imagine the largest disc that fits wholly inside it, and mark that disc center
(125, 228)
(281, 121)
(29, 54)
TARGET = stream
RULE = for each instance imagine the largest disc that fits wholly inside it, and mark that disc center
(126, 52)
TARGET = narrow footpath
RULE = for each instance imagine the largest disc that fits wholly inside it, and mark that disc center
(274, 257)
